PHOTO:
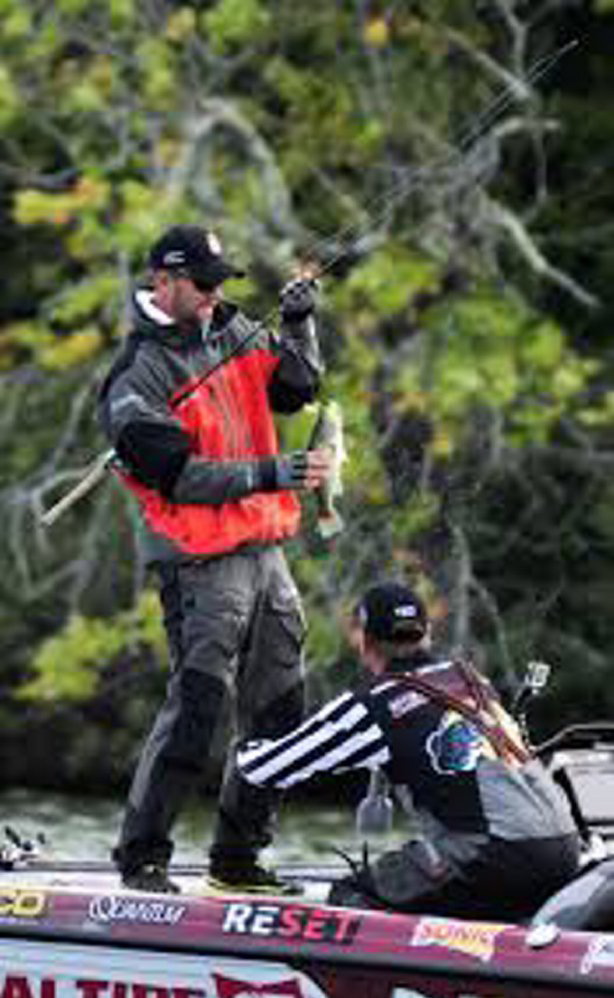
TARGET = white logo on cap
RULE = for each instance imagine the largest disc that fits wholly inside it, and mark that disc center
(405, 611)
(174, 256)
(214, 244)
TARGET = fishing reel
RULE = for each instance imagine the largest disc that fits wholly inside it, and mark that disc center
(18, 851)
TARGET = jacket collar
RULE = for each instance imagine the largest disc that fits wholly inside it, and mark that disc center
(151, 322)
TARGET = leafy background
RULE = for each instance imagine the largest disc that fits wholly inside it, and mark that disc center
(447, 166)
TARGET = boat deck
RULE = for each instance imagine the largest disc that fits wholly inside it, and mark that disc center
(69, 931)
(99, 877)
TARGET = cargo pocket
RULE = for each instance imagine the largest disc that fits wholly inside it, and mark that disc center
(285, 629)
(272, 694)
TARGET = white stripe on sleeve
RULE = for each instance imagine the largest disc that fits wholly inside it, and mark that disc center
(340, 735)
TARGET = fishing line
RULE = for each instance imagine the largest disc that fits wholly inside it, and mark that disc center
(399, 191)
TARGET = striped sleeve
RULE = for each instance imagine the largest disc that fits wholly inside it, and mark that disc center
(342, 735)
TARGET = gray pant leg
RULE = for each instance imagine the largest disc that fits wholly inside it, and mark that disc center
(270, 702)
(271, 678)
(397, 880)
(207, 610)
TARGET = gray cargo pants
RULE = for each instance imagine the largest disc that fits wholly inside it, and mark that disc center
(506, 880)
(235, 629)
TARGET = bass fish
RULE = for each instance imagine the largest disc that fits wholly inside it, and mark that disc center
(328, 433)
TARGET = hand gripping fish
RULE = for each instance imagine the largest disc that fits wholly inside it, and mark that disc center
(328, 433)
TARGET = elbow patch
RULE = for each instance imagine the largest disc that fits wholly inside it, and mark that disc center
(155, 453)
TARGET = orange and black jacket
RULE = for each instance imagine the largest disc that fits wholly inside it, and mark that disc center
(198, 451)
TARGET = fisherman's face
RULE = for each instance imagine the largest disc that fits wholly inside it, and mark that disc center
(183, 301)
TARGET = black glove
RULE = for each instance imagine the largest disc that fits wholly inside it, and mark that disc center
(297, 298)
(288, 471)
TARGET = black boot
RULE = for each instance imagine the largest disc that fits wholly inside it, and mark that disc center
(151, 877)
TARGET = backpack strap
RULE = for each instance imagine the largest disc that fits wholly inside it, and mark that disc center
(480, 712)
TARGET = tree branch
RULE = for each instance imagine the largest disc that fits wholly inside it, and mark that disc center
(519, 235)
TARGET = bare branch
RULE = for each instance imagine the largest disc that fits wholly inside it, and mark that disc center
(515, 84)
(518, 32)
(192, 172)
(523, 241)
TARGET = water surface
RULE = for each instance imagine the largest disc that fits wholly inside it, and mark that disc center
(78, 828)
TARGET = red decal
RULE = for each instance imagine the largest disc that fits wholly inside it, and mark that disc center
(91, 989)
(229, 988)
(148, 991)
(316, 924)
(16, 987)
(291, 923)
(346, 926)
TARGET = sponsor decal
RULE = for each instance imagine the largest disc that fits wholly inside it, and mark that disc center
(68, 970)
(173, 257)
(228, 987)
(32, 986)
(600, 953)
(294, 922)
(473, 938)
(108, 908)
(21, 902)
(455, 746)
(406, 702)
(19, 986)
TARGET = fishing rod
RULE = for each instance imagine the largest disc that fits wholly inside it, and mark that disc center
(396, 194)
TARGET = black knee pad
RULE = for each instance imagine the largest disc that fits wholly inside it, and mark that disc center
(199, 707)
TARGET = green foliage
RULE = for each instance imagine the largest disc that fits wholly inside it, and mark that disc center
(157, 75)
(231, 24)
(70, 665)
(9, 99)
(79, 302)
(384, 283)
(297, 131)
(16, 24)
(494, 351)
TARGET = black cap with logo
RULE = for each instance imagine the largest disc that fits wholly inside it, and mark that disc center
(193, 252)
(391, 611)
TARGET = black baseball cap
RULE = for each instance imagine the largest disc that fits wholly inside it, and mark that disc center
(194, 252)
(391, 611)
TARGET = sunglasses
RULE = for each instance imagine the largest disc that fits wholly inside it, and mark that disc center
(200, 283)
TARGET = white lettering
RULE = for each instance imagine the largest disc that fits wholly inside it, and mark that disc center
(109, 908)
(237, 918)
(264, 919)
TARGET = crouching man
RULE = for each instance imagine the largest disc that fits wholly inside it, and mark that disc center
(496, 835)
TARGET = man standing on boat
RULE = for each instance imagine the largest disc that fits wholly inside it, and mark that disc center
(188, 407)
(496, 834)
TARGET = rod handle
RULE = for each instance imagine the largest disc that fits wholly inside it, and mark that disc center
(89, 481)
